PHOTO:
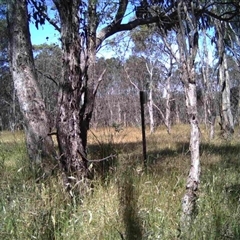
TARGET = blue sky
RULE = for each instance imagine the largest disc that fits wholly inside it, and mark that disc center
(40, 35)
(47, 34)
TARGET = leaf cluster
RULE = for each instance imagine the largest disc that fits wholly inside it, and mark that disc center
(39, 12)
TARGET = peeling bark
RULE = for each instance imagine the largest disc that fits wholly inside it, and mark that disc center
(188, 47)
(193, 180)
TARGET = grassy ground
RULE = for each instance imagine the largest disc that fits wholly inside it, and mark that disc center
(127, 202)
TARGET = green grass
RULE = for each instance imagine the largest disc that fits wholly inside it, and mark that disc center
(128, 202)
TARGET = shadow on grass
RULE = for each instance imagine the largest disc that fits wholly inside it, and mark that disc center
(229, 155)
(133, 152)
(128, 198)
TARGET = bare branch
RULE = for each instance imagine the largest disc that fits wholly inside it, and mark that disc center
(83, 155)
(130, 79)
(150, 69)
(161, 113)
(47, 76)
(98, 82)
(102, 159)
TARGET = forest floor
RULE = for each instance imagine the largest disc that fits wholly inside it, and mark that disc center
(128, 201)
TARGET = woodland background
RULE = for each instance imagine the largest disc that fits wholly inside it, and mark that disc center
(80, 166)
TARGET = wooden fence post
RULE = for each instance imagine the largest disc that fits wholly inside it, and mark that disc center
(143, 100)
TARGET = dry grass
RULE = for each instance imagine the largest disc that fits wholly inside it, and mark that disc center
(128, 202)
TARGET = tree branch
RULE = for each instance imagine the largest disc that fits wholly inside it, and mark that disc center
(47, 76)
(54, 24)
(114, 28)
(121, 11)
(98, 82)
(219, 17)
(161, 113)
(130, 79)
(102, 159)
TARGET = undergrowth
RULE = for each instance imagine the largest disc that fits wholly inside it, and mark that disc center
(128, 201)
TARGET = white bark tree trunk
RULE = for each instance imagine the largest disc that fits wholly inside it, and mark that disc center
(168, 109)
(188, 47)
(150, 68)
(193, 180)
(150, 110)
(37, 125)
(177, 114)
(168, 97)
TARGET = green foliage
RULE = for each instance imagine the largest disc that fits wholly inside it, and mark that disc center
(136, 203)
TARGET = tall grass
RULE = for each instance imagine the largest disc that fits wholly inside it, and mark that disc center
(128, 202)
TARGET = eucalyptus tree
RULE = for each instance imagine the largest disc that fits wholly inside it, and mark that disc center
(223, 78)
(187, 38)
(81, 37)
(169, 66)
(187, 19)
(37, 127)
(224, 14)
(205, 72)
(83, 26)
(233, 46)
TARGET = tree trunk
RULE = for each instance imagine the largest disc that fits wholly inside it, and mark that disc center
(188, 47)
(150, 109)
(208, 114)
(119, 112)
(37, 125)
(189, 199)
(224, 81)
(177, 113)
(212, 127)
(168, 99)
(77, 92)
(73, 95)
(228, 124)
(150, 69)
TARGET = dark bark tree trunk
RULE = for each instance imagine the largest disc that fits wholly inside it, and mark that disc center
(79, 85)
(70, 133)
(77, 90)
(37, 125)
(80, 41)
